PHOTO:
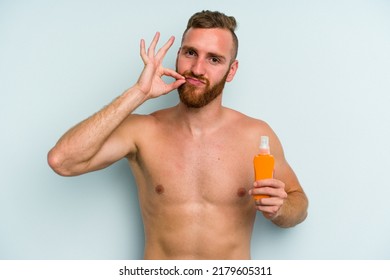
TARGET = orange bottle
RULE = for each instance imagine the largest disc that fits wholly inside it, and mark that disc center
(263, 163)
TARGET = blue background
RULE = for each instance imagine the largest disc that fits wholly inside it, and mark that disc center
(317, 71)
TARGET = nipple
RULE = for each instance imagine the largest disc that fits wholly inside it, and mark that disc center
(241, 192)
(159, 189)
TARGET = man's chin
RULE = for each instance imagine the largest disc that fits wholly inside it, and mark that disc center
(190, 102)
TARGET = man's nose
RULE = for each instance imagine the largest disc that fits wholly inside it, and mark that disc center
(198, 67)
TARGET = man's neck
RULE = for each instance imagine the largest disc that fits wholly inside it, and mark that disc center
(200, 121)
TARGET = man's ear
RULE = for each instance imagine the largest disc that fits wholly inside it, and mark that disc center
(232, 71)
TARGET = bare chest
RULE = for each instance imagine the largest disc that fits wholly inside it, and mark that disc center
(215, 169)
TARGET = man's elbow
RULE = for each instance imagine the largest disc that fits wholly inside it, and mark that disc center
(55, 159)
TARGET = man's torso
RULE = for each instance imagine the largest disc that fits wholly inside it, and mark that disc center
(193, 189)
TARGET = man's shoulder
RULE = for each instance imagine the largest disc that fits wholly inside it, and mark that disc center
(162, 114)
(144, 122)
(151, 117)
(245, 120)
(139, 119)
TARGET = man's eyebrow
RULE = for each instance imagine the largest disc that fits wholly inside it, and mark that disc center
(186, 48)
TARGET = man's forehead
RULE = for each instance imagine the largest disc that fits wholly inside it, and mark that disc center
(214, 40)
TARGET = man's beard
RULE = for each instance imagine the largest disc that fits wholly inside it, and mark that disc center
(191, 95)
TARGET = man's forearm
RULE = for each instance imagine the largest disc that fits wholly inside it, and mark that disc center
(293, 211)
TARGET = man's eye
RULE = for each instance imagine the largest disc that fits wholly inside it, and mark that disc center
(215, 60)
(190, 53)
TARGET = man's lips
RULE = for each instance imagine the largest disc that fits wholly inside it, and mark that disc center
(194, 81)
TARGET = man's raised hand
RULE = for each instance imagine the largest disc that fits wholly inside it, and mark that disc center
(150, 81)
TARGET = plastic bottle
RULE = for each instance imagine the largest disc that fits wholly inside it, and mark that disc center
(263, 163)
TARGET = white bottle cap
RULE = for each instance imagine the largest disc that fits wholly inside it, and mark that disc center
(264, 145)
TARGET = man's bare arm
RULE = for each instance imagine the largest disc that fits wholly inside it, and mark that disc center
(101, 139)
(287, 203)
(293, 210)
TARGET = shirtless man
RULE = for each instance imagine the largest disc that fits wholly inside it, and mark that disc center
(192, 162)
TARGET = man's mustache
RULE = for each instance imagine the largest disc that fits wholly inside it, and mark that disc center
(190, 74)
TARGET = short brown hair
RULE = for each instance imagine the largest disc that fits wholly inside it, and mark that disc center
(209, 19)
